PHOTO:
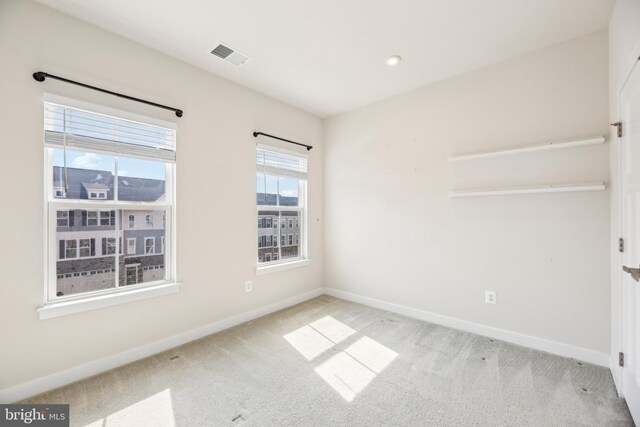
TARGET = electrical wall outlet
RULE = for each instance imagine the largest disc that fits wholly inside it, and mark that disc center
(490, 297)
(248, 286)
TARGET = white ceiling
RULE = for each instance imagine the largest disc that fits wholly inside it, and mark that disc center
(327, 56)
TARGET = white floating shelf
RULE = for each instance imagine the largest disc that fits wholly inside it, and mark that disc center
(554, 145)
(559, 188)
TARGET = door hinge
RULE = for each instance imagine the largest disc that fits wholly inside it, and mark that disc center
(620, 244)
(619, 126)
(621, 359)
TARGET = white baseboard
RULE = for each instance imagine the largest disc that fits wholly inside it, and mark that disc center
(59, 379)
(554, 347)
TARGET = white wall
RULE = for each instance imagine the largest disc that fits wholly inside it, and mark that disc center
(392, 234)
(216, 228)
(624, 50)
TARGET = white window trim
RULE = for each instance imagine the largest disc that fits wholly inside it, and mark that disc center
(282, 266)
(54, 306)
(62, 308)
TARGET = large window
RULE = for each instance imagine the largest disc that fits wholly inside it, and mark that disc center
(281, 181)
(104, 171)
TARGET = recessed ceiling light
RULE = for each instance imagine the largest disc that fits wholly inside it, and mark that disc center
(393, 60)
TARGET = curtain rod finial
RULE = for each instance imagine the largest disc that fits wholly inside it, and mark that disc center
(39, 76)
(179, 113)
(255, 134)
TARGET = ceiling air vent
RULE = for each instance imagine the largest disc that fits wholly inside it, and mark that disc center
(230, 55)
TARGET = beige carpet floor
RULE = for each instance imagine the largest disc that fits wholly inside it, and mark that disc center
(329, 362)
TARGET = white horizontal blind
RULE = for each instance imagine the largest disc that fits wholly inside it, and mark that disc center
(276, 163)
(72, 128)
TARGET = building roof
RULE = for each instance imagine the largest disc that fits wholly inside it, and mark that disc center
(270, 199)
(129, 188)
(94, 186)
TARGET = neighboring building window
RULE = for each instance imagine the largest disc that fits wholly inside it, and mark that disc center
(109, 246)
(296, 238)
(105, 218)
(63, 218)
(88, 150)
(92, 218)
(71, 248)
(149, 245)
(281, 182)
(131, 246)
(85, 247)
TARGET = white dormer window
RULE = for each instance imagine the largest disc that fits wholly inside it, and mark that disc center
(59, 194)
(98, 195)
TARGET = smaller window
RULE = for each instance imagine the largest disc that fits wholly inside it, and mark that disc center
(60, 194)
(132, 221)
(110, 246)
(149, 245)
(149, 220)
(290, 223)
(63, 218)
(131, 246)
(283, 224)
(275, 240)
(297, 238)
(92, 217)
(297, 224)
(93, 195)
(102, 196)
(275, 256)
(275, 223)
(105, 218)
(267, 257)
(283, 239)
(71, 248)
(290, 239)
(85, 247)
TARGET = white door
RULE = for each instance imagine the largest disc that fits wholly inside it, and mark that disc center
(630, 200)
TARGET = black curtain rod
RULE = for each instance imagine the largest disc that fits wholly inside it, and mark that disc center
(41, 76)
(308, 147)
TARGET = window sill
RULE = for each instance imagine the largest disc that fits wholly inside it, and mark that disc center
(56, 309)
(280, 267)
